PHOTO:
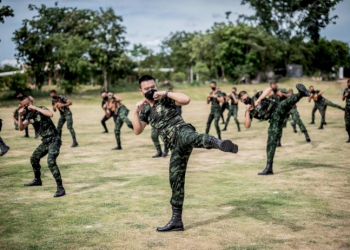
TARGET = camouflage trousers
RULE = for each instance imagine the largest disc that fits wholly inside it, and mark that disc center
(50, 146)
(233, 110)
(182, 143)
(66, 117)
(119, 120)
(276, 124)
(347, 120)
(323, 107)
(295, 119)
(155, 138)
(214, 114)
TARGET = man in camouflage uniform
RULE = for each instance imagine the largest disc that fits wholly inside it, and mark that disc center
(39, 117)
(279, 95)
(62, 103)
(322, 104)
(119, 112)
(3, 147)
(156, 143)
(263, 108)
(104, 97)
(346, 97)
(158, 109)
(233, 109)
(215, 97)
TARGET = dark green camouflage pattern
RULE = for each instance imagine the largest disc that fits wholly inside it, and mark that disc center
(296, 120)
(347, 111)
(215, 114)
(119, 118)
(63, 99)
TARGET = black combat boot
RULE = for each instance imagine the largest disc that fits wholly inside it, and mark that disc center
(348, 141)
(295, 128)
(321, 126)
(223, 145)
(312, 122)
(302, 90)
(224, 129)
(159, 152)
(307, 137)
(175, 224)
(268, 169)
(75, 143)
(119, 145)
(37, 180)
(279, 143)
(166, 150)
(60, 189)
(239, 127)
(4, 147)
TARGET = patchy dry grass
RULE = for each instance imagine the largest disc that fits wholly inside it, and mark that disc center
(116, 199)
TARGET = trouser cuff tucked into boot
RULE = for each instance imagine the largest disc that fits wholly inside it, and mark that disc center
(268, 169)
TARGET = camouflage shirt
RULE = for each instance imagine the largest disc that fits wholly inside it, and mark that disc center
(278, 98)
(62, 99)
(264, 110)
(215, 104)
(347, 100)
(319, 97)
(42, 124)
(118, 105)
(232, 100)
(163, 116)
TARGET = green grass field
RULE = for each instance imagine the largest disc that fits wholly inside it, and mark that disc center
(116, 199)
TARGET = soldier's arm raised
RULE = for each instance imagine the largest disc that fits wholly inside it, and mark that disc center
(247, 120)
(45, 112)
(138, 125)
(22, 124)
(265, 93)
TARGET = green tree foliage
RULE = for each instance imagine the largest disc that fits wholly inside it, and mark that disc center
(287, 17)
(5, 11)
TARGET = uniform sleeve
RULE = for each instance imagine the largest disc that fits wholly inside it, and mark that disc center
(285, 91)
(43, 107)
(144, 115)
(219, 94)
(63, 98)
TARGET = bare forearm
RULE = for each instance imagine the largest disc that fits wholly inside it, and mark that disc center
(247, 121)
(179, 98)
(138, 128)
(45, 112)
(265, 93)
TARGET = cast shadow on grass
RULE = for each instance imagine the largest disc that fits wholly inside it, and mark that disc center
(307, 165)
(260, 208)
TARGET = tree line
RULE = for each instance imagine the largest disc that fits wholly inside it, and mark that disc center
(73, 46)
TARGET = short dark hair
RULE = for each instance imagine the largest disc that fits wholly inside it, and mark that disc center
(241, 94)
(53, 91)
(145, 78)
(272, 82)
(234, 88)
(23, 97)
(213, 81)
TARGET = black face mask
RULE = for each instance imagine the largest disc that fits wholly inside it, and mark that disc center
(213, 88)
(105, 98)
(149, 94)
(55, 97)
(248, 100)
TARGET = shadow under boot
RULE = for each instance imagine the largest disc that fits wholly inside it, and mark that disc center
(175, 223)
(60, 189)
(159, 152)
(37, 180)
(268, 169)
(223, 145)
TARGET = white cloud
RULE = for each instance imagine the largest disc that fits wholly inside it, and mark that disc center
(12, 62)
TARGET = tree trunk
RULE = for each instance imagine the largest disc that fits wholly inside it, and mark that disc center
(105, 81)
(191, 74)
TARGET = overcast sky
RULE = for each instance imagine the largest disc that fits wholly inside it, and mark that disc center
(149, 22)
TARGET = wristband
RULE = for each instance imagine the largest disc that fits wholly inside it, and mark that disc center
(166, 93)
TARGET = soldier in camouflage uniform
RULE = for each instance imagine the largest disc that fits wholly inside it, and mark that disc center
(119, 112)
(62, 103)
(3, 147)
(322, 104)
(263, 108)
(39, 117)
(233, 109)
(104, 97)
(279, 95)
(346, 97)
(156, 143)
(215, 98)
(224, 106)
(181, 138)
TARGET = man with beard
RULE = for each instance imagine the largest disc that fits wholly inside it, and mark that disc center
(40, 118)
(158, 109)
(263, 108)
(62, 103)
